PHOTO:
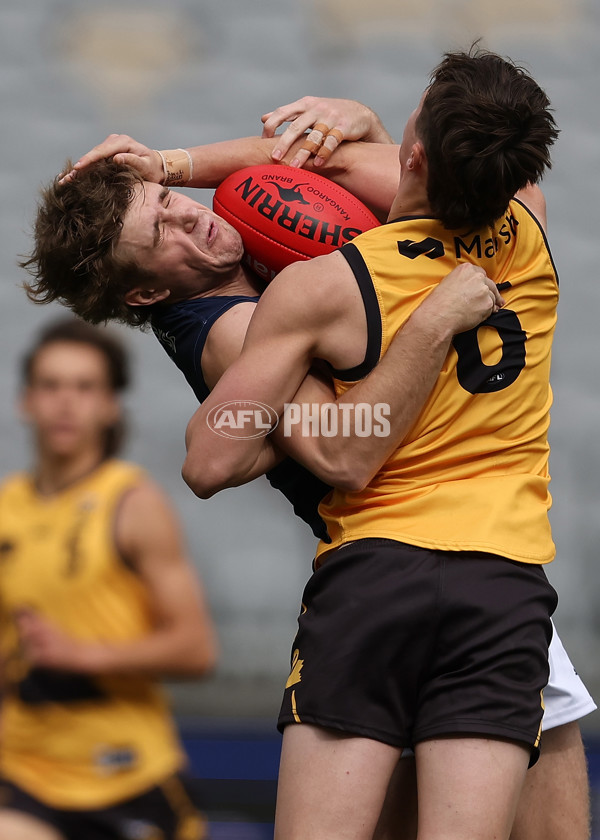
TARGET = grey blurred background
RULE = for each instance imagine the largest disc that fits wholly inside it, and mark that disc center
(192, 71)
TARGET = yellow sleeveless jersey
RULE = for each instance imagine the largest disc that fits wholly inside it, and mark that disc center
(472, 473)
(71, 740)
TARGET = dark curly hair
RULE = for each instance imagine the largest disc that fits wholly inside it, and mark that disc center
(487, 129)
(77, 226)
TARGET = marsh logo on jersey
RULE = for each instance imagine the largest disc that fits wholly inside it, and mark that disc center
(429, 247)
(466, 246)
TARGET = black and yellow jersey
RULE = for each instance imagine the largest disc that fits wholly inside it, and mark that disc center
(472, 473)
(71, 740)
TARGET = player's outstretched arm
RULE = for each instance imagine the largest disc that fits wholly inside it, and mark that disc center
(340, 119)
(197, 166)
(369, 170)
(393, 394)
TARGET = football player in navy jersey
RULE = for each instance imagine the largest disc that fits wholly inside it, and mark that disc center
(190, 284)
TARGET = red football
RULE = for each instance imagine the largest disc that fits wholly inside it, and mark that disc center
(286, 214)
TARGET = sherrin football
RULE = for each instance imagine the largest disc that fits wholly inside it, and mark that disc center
(286, 214)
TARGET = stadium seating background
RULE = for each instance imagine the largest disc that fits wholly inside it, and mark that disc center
(193, 71)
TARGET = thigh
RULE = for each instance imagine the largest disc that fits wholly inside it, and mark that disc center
(330, 784)
(17, 825)
(555, 801)
(468, 787)
(398, 818)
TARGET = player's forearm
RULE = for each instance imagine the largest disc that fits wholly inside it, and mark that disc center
(373, 417)
(181, 651)
(369, 170)
(212, 163)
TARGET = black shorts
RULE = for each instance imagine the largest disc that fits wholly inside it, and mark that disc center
(164, 812)
(402, 644)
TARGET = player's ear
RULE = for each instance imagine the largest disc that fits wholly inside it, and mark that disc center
(416, 159)
(145, 297)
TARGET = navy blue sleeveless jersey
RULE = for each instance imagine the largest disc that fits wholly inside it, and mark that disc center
(182, 329)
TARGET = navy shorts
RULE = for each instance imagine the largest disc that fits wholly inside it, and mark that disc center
(402, 644)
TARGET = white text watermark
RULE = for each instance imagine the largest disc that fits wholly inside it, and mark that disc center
(247, 419)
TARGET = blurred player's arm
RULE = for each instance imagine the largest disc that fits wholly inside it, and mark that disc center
(182, 642)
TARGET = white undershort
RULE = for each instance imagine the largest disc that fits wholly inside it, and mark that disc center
(565, 697)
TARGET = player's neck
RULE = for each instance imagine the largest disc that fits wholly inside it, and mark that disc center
(54, 473)
(245, 283)
(411, 198)
(240, 282)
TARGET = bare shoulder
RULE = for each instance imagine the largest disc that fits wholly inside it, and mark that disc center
(225, 340)
(317, 305)
(311, 287)
(146, 492)
(145, 516)
(533, 198)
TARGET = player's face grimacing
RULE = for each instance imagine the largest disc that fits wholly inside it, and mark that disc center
(182, 243)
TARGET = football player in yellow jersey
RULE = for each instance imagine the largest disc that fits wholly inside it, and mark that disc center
(148, 160)
(97, 600)
(428, 622)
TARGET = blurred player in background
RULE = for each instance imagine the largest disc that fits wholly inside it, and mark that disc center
(372, 173)
(97, 601)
